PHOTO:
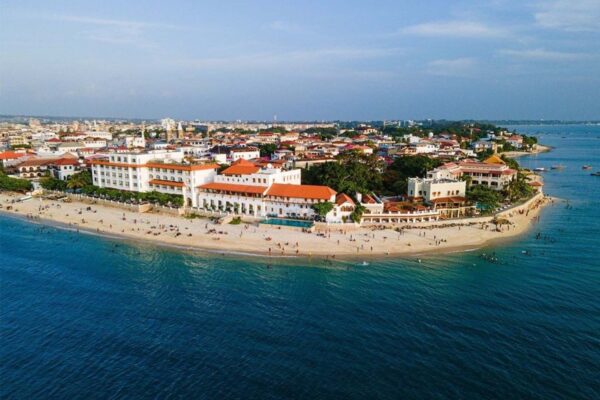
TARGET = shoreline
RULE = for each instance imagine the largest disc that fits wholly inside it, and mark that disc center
(275, 242)
(540, 148)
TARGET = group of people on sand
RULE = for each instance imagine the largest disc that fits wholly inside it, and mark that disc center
(337, 240)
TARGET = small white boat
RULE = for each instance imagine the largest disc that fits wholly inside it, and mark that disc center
(540, 169)
(558, 166)
(586, 167)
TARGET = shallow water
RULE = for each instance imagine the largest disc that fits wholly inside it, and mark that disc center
(90, 317)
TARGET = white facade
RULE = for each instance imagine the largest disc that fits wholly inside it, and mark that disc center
(99, 134)
(161, 171)
(425, 148)
(493, 174)
(245, 189)
(246, 154)
(63, 171)
(430, 189)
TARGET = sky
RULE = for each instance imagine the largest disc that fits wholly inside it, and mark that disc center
(301, 60)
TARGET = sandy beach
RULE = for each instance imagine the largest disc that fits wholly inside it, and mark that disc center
(539, 149)
(272, 240)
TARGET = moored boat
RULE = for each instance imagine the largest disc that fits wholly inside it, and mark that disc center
(586, 167)
(595, 173)
(540, 169)
(558, 166)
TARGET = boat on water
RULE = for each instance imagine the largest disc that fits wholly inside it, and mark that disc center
(539, 169)
(558, 166)
(595, 173)
(586, 167)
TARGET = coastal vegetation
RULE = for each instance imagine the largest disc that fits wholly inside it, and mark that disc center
(82, 183)
(518, 189)
(356, 172)
(154, 197)
(322, 209)
(485, 197)
(353, 172)
(356, 215)
(396, 176)
(14, 184)
(236, 221)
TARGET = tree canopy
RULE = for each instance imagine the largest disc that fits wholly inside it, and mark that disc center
(353, 172)
(487, 198)
(322, 209)
(14, 184)
(395, 178)
(267, 149)
(518, 188)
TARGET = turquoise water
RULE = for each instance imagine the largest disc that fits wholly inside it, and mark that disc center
(287, 222)
(86, 317)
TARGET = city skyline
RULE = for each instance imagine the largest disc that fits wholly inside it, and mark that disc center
(497, 60)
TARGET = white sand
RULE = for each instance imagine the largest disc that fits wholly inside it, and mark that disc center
(539, 149)
(194, 233)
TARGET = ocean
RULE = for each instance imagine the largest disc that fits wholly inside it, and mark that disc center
(95, 318)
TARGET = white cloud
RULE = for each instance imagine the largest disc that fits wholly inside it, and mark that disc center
(542, 54)
(117, 31)
(452, 67)
(569, 15)
(463, 29)
(292, 58)
(129, 24)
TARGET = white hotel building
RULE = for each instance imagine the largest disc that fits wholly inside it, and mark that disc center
(243, 188)
(159, 170)
(492, 172)
(247, 189)
(445, 195)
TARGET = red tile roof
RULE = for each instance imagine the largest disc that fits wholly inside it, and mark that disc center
(241, 167)
(66, 161)
(456, 199)
(11, 155)
(342, 198)
(34, 162)
(368, 199)
(301, 191)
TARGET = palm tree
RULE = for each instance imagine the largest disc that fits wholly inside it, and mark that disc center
(79, 180)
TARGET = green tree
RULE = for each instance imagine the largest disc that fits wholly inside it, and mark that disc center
(518, 188)
(396, 176)
(353, 172)
(80, 180)
(358, 212)
(51, 183)
(482, 155)
(486, 198)
(511, 162)
(324, 133)
(10, 184)
(267, 149)
(322, 209)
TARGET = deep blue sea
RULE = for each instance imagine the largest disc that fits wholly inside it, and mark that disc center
(83, 317)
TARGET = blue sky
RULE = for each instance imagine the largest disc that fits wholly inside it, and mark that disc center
(301, 59)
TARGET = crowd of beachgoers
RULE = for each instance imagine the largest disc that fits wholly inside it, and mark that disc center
(273, 240)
